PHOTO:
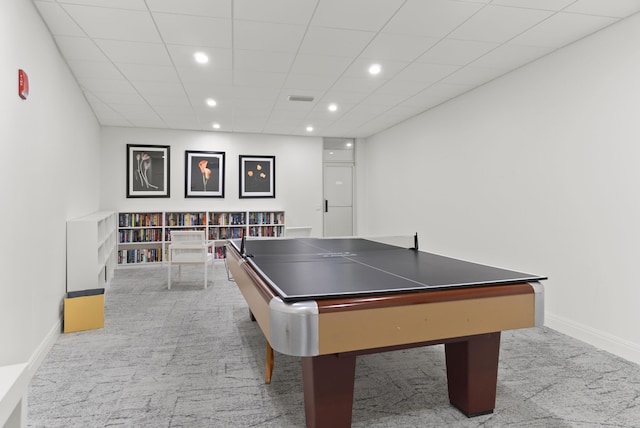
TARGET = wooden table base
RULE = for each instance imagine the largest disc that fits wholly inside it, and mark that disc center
(472, 374)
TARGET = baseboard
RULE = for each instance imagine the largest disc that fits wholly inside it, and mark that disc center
(38, 356)
(623, 348)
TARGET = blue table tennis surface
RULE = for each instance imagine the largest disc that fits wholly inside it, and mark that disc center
(321, 268)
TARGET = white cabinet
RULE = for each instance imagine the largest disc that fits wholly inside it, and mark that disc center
(91, 251)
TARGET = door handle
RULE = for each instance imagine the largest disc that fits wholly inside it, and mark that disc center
(326, 205)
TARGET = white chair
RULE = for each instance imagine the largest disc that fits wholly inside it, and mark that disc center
(190, 247)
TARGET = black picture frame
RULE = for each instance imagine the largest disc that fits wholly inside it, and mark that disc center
(204, 174)
(257, 176)
(148, 171)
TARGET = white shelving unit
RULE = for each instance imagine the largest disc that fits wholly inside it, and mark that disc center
(143, 237)
(91, 251)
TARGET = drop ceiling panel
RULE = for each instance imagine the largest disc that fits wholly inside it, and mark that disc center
(259, 79)
(307, 84)
(387, 99)
(434, 18)
(210, 8)
(535, 4)
(610, 8)
(147, 88)
(473, 75)
(288, 114)
(115, 24)
(443, 90)
(135, 111)
(117, 86)
(94, 69)
(355, 84)
(117, 4)
(397, 47)
(169, 102)
(191, 30)
(134, 52)
(267, 36)
(205, 77)
(511, 55)
(255, 93)
(403, 87)
(149, 73)
(255, 60)
(80, 48)
(276, 11)
(335, 42)
(561, 29)
(324, 65)
(123, 99)
(457, 52)
(58, 20)
(499, 24)
(426, 73)
(355, 14)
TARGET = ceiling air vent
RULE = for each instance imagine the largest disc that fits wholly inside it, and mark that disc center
(305, 98)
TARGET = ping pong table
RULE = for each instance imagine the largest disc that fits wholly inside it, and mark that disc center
(329, 300)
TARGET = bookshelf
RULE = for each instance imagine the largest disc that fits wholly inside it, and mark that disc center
(91, 251)
(140, 237)
(143, 237)
(266, 224)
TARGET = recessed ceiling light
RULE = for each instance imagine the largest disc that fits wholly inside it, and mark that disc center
(333, 107)
(211, 102)
(349, 144)
(309, 128)
(375, 69)
(201, 57)
(216, 126)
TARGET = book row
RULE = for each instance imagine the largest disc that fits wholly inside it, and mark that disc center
(202, 218)
(143, 255)
(223, 219)
(139, 219)
(266, 218)
(154, 255)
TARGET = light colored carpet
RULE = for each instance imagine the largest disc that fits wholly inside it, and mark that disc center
(189, 357)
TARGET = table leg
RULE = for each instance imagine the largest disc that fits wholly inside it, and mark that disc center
(472, 373)
(328, 390)
(268, 370)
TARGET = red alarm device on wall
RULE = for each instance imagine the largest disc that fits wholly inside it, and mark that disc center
(23, 84)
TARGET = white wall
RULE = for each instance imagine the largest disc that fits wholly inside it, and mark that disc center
(537, 171)
(49, 173)
(298, 172)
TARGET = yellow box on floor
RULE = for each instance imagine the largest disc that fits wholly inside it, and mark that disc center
(83, 313)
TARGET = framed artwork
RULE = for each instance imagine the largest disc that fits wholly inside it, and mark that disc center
(204, 174)
(148, 171)
(257, 176)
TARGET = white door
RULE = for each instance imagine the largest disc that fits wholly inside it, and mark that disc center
(338, 200)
